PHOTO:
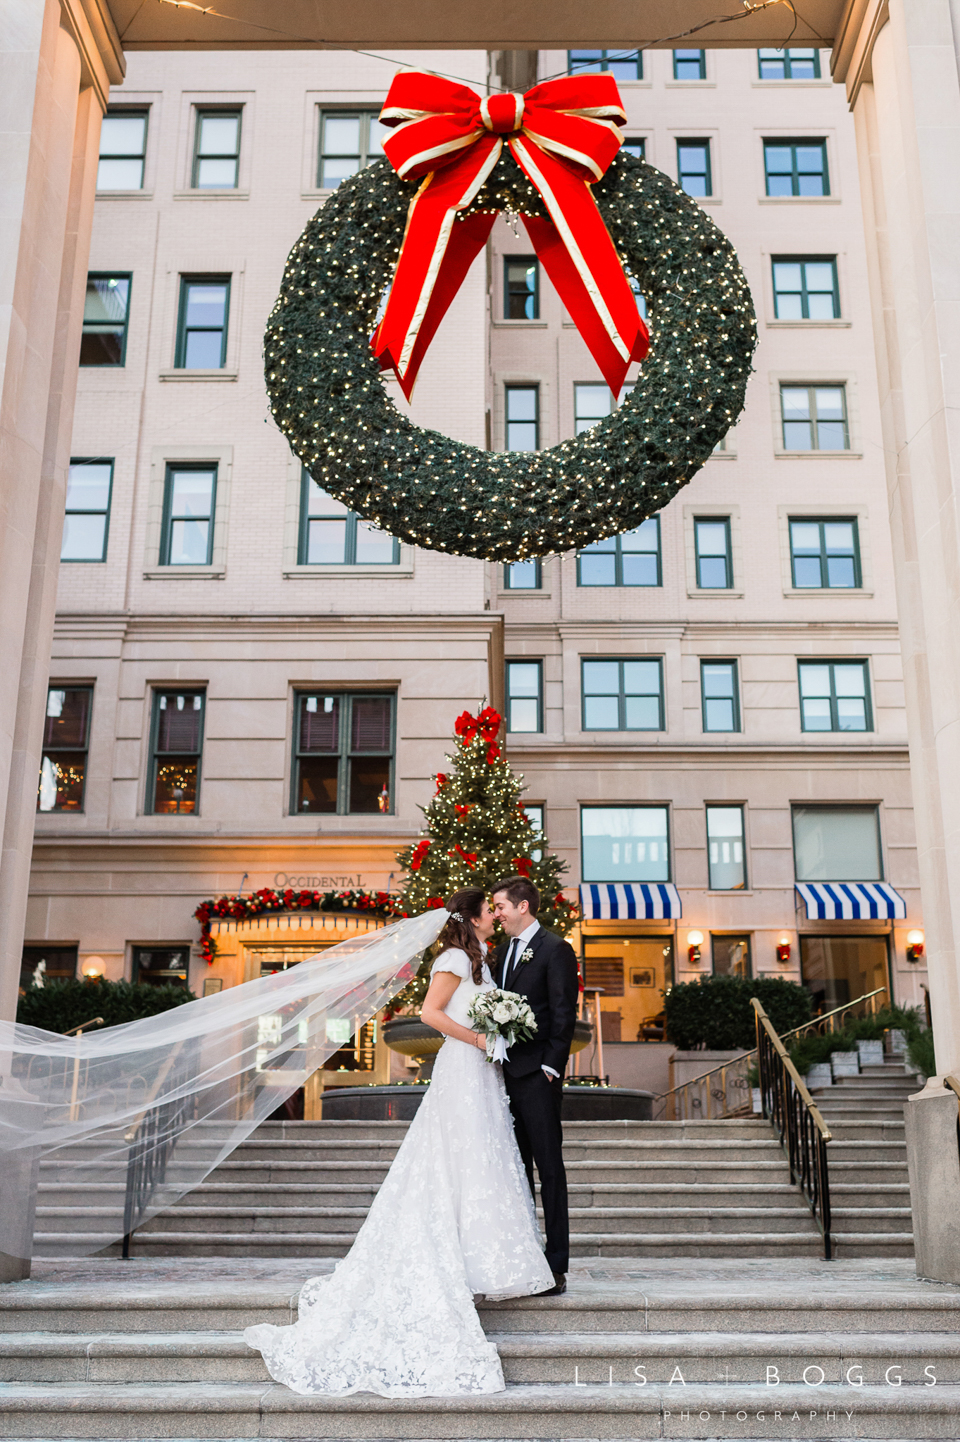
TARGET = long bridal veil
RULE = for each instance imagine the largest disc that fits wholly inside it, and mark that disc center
(117, 1124)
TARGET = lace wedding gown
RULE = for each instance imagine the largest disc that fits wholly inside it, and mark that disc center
(454, 1217)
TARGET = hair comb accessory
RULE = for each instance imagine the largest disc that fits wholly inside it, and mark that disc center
(455, 916)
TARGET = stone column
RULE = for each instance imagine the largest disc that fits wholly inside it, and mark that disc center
(900, 66)
(56, 64)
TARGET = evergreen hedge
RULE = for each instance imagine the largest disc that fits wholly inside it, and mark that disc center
(59, 1006)
(714, 1012)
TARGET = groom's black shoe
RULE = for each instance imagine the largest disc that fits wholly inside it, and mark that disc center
(558, 1288)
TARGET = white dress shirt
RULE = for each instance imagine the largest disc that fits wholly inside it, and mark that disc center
(523, 941)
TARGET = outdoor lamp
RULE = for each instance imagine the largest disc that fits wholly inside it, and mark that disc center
(93, 968)
(914, 945)
(783, 949)
(694, 943)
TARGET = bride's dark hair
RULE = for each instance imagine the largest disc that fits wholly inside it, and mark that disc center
(459, 935)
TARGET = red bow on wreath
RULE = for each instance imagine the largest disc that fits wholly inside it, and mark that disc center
(563, 134)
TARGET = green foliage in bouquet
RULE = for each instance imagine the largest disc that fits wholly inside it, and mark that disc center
(714, 1012)
(59, 1006)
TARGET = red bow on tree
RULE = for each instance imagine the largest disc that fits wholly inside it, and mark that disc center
(563, 134)
(487, 724)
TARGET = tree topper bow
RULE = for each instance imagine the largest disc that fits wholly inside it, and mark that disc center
(563, 134)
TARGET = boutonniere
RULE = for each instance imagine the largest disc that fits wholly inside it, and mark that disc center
(527, 955)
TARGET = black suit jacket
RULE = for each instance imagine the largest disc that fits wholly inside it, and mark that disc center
(550, 981)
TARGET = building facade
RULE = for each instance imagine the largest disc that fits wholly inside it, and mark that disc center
(249, 687)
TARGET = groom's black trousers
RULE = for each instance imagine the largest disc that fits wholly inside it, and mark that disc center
(535, 1102)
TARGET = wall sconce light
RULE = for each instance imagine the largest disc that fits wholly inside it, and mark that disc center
(93, 968)
(914, 945)
(694, 943)
(783, 949)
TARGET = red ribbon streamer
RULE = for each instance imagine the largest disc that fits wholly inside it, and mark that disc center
(563, 135)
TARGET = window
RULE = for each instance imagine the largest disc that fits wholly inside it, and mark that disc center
(814, 418)
(161, 965)
(348, 143)
(731, 955)
(726, 860)
(216, 156)
(174, 783)
(66, 731)
(825, 555)
(521, 287)
(714, 562)
(525, 696)
(838, 969)
(535, 815)
(59, 963)
(523, 418)
(591, 403)
(332, 535)
(718, 695)
(343, 754)
(636, 146)
(693, 167)
(689, 65)
(622, 64)
(189, 498)
(622, 695)
(805, 287)
(834, 696)
(123, 144)
(837, 843)
(522, 576)
(104, 338)
(89, 485)
(625, 843)
(632, 559)
(202, 325)
(803, 64)
(796, 167)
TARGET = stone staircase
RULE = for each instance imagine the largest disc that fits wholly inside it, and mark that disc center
(787, 1348)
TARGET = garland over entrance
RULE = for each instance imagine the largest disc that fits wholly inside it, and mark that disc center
(265, 902)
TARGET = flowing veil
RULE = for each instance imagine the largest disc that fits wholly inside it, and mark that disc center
(117, 1124)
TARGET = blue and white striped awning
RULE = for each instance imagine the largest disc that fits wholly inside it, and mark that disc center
(851, 901)
(630, 901)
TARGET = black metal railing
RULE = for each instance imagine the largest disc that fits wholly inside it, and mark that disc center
(802, 1130)
(151, 1140)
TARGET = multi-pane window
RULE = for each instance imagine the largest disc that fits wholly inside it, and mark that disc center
(535, 815)
(714, 560)
(792, 64)
(525, 696)
(825, 555)
(622, 64)
(522, 576)
(343, 753)
(189, 501)
(796, 167)
(104, 338)
(814, 418)
(689, 65)
(174, 783)
(66, 733)
(349, 141)
(837, 843)
(632, 559)
(636, 146)
(591, 403)
(521, 287)
(726, 859)
(805, 287)
(202, 324)
(123, 145)
(216, 155)
(625, 843)
(623, 695)
(332, 535)
(719, 696)
(523, 418)
(834, 696)
(693, 167)
(89, 483)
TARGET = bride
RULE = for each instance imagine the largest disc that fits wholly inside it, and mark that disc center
(454, 1217)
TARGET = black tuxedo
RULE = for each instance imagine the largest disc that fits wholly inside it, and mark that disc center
(550, 983)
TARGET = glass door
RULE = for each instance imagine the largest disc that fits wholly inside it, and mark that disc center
(634, 972)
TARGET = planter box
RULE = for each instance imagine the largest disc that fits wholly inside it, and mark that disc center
(757, 1100)
(819, 1076)
(845, 1063)
(896, 1040)
(871, 1053)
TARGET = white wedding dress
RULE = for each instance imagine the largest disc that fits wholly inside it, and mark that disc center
(454, 1217)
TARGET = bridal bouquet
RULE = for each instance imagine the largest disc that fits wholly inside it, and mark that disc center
(505, 1017)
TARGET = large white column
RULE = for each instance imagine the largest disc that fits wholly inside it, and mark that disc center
(900, 66)
(57, 61)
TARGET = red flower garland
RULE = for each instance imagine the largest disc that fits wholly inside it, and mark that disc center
(243, 908)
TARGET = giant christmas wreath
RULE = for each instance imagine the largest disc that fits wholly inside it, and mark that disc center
(328, 398)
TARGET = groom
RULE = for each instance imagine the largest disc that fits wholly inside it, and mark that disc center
(543, 968)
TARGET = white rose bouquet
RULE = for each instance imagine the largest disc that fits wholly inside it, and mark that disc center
(505, 1017)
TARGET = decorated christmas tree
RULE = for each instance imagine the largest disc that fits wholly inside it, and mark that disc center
(477, 832)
